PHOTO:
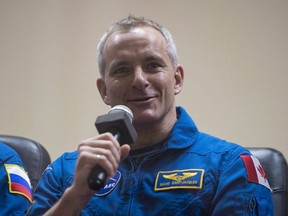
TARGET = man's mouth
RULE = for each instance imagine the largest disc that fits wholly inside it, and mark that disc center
(142, 99)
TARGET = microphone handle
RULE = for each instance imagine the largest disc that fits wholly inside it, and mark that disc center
(98, 176)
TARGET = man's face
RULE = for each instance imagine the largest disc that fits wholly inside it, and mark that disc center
(140, 75)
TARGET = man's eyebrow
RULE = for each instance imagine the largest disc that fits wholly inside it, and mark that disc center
(118, 63)
(154, 58)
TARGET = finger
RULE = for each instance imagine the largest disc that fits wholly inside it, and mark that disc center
(125, 149)
(109, 168)
(108, 160)
(105, 144)
(96, 141)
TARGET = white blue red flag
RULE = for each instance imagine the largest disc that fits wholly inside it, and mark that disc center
(18, 180)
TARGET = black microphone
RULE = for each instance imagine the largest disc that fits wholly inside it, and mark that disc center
(118, 122)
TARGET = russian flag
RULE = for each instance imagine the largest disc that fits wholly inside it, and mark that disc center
(255, 172)
(18, 180)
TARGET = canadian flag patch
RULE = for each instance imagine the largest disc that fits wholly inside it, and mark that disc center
(255, 171)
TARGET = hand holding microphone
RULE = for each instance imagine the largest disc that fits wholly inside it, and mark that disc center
(119, 123)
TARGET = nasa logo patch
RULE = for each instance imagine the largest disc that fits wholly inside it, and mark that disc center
(110, 185)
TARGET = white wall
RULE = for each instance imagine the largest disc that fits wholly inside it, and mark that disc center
(235, 55)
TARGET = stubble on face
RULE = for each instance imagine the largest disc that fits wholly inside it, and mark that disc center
(130, 50)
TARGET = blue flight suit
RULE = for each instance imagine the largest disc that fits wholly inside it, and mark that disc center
(192, 174)
(16, 194)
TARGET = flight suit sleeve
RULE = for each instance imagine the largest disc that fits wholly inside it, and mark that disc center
(243, 188)
(50, 187)
(16, 192)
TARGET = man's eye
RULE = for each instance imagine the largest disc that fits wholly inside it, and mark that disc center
(153, 66)
(120, 71)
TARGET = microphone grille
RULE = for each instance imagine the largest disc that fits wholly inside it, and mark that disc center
(122, 108)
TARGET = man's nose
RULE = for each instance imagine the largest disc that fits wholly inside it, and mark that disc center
(140, 79)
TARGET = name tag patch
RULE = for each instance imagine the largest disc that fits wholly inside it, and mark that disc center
(179, 179)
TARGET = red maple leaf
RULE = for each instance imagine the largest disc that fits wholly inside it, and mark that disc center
(261, 171)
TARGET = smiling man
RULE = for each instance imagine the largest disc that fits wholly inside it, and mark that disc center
(171, 168)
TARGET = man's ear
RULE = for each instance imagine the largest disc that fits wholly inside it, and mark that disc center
(102, 90)
(179, 78)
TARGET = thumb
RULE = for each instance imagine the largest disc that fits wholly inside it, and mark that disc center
(125, 149)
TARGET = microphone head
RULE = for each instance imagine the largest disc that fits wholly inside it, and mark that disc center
(122, 108)
(118, 121)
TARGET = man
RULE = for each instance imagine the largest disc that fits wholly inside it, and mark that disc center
(172, 168)
(16, 194)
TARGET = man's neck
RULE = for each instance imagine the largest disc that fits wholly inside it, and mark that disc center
(149, 135)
